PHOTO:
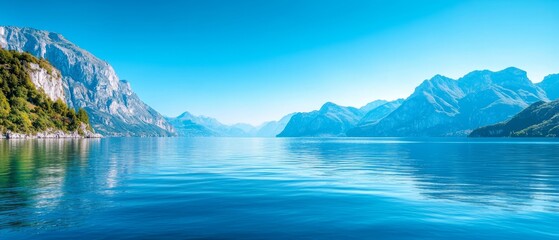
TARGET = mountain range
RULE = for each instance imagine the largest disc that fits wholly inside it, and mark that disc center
(90, 83)
(189, 125)
(439, 106)
(442, 106)
(333, 120)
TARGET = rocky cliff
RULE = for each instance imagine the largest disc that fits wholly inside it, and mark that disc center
(31, 101)
(90, 83)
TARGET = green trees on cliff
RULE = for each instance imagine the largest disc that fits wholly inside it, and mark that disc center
(26, 109)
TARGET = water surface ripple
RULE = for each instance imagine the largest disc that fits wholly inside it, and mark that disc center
(257, 188)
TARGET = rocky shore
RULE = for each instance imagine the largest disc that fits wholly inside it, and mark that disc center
(51, 134)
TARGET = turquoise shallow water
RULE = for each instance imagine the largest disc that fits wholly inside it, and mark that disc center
(231, 188)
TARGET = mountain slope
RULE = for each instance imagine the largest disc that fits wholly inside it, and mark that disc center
(446, 107)
(374, 116)
(188, 125)
(550, 85)
(378, 113)
(31, 99)
(541, 119)
(273, 128)
(90, 83)
(372, 105)
(330, 120)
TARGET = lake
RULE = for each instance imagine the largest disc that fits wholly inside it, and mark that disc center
(259, 188)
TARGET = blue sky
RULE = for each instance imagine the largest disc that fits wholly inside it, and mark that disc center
(254, 61)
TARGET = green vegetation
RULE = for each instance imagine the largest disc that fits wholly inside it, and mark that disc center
(26, 109)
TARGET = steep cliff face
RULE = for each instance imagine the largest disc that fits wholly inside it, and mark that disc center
(31, 101)
(90, 83)
(49, 80)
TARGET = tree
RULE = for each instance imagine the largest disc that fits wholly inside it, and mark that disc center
(59, 107)
(82, 116)
(27, 109)
(4, 106)
(74, 123)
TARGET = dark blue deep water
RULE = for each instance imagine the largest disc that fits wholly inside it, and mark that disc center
(230, 188)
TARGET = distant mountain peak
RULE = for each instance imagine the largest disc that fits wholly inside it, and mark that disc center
(514, 70)
(328, 106)
(185, 115)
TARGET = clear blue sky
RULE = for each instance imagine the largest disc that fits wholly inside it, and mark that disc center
(253, 61)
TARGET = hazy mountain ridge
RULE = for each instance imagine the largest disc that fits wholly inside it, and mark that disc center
(273, 128)
(190, 125)
(376, 114)
(541, 119)
(90, 83)
(372, 105)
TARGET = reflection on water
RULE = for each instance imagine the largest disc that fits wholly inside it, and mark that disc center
(279, 188)
(500, 174)
(35, 176)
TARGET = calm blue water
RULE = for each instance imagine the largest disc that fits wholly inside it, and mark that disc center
(230, 188)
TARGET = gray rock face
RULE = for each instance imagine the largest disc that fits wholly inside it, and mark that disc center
(90, 83)
(446, 107)
(51, 83)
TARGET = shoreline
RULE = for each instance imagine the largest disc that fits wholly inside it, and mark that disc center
(49, 135)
